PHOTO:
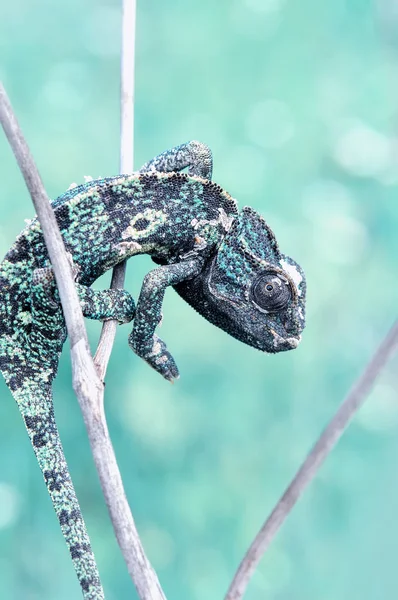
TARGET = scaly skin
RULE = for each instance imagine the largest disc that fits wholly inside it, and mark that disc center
(225, 263)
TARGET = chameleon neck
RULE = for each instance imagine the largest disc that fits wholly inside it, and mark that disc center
(36, 406)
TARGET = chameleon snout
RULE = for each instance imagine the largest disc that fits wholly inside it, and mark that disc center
(293, 341)
(281, 343)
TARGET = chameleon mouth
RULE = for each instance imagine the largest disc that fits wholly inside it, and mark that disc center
(293, 341)
(282, 343)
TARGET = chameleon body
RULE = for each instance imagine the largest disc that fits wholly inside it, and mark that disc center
(223, 262)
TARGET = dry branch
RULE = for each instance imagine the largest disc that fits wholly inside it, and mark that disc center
(86, 383)
(312, 463)
(108, 332)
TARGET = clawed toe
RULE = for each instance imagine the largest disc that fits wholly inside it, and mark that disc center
(157, 356)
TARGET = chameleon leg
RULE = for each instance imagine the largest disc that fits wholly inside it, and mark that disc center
(143, 340)
(30, 384)
(194, 155)
(96, 304)
(106, 304)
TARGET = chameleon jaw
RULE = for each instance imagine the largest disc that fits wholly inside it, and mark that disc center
(291, 342)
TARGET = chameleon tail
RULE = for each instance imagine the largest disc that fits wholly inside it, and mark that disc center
(36, 406)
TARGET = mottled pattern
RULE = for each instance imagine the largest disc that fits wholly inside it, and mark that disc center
(225, 263)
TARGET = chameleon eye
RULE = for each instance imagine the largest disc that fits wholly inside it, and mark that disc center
(271, 292)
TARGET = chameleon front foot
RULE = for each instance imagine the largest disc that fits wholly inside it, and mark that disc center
(101, 305)
(104, 305)
(157, 356)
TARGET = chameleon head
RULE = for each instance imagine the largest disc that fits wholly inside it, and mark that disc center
(250, 289)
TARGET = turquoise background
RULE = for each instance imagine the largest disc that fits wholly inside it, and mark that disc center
(299, 102)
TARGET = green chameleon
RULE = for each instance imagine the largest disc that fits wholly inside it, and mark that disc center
(224, 263)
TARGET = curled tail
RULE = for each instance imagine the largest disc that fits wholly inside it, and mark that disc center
(36, 407)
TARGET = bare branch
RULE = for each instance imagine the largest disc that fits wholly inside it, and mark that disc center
(86, 383)
(51, 233)
(108, 332)
(127, 87)
(312, 463)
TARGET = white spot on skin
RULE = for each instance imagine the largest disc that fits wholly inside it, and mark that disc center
(277, 281)
(293, 273)
(224, 220)
(278, 340)
(156, 348)
(88, 178)
(128, 248)
(155, 218)
(161, 360)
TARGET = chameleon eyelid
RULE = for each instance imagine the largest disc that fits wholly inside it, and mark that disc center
(271, 268)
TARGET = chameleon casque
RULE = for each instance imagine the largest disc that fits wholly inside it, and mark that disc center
(225, 263)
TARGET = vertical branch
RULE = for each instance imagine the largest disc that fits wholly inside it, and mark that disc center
(108, 332)
(312, 463)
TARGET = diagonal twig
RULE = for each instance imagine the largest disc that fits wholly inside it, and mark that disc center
(52, 236)
(86, 383)
(108, 332)
(312, 463)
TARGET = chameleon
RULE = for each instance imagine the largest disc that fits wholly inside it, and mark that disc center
(224, 262)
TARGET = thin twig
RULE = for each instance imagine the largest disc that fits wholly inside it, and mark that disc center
(312, 463)
(86, 383)
(108, 332)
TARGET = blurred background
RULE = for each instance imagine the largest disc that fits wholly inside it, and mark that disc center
(299, 103)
